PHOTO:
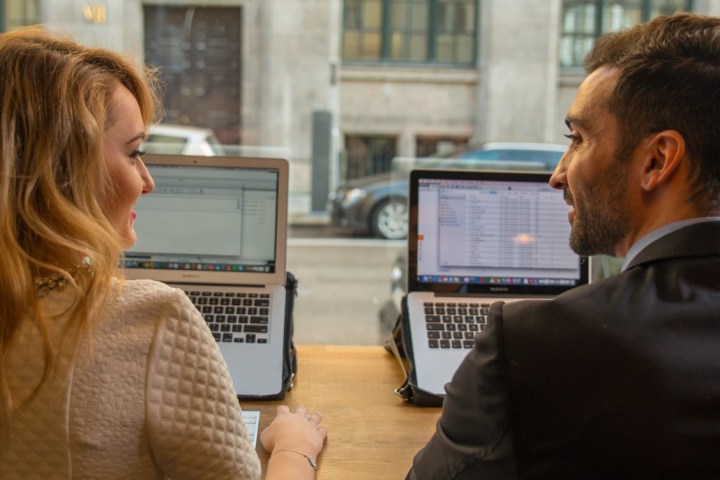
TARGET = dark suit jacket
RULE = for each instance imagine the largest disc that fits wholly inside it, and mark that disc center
(618, 379)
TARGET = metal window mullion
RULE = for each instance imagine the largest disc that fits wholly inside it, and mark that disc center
(599, 18)
(645, 9)
(386, 25)
(432, 32)
(476, 34)
(362, 31)
(406, 32)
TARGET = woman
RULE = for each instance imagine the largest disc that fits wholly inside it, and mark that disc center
(101, 377)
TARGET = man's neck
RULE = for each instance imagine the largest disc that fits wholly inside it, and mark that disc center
(649, 217)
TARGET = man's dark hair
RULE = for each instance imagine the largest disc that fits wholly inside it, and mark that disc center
(669, 80)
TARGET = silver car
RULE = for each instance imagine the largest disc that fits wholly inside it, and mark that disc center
(182, 140)
(377, 204)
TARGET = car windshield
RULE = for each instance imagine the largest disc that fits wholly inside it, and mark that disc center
(484, 159)
(549, 157)
(182, 142)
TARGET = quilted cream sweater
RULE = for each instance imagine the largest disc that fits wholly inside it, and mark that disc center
(147, 396)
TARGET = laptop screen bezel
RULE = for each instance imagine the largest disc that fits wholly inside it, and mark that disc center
(462, 288)
(278, 277)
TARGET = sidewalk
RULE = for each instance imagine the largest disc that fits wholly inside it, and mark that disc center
(299, 211)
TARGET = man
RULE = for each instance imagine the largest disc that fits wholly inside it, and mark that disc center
(621, 378)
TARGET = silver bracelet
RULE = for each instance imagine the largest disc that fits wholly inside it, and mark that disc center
(310, 459)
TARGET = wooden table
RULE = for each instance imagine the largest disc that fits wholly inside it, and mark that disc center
(372, 433)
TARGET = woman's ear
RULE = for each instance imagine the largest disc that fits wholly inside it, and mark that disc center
(664, 153)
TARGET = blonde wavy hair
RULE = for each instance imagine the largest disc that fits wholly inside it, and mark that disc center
(55, 102)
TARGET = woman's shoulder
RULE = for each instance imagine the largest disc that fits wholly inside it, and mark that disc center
(145, 289)
(145, 308)
(148, 287)
(148, 296)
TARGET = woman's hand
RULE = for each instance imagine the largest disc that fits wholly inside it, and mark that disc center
(296, 430)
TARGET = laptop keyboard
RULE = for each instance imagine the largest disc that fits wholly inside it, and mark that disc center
(251, 419)
(234, 317)
(453, 324)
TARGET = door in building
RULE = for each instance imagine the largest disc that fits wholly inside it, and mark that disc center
(198, 51)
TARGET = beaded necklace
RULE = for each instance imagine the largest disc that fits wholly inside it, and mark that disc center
(58, 282)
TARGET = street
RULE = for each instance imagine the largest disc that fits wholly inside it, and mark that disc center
(342, 282)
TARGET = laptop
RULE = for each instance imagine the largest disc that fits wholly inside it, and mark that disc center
(216, 227)
(476, 237)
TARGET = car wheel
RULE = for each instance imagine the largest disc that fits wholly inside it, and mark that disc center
(390, 219)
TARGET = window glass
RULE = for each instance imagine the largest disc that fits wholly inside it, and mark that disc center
(464, 48)
(667, 7)
(585, 20)
(17, 13)
(371, 46)
(418, 47)
(620, 15)
(368, 155)
(372, 14)
(419, 15)
(438, 146)
(164, 144)
(445, 47)
(352, 14)
(400, 16)
(411, 31)
(352, 46)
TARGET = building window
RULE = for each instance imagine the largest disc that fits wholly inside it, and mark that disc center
(367, 155)
(18, 13)
(410, 31)
(583, 21)
(439, 146)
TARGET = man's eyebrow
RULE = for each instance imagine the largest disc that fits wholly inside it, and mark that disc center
(572, 122)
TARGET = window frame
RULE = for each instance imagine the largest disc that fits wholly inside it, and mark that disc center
(29, 14)
(379, 151)
(387, 33)
(648, 9)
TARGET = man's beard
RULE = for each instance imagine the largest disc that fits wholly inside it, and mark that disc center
(602, 220)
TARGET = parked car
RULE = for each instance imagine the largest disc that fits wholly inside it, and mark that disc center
(182, 140)
(390, 308)
(377, 204)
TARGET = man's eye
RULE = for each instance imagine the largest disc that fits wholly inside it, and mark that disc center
(573, 137)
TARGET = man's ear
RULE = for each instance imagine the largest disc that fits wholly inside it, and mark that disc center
(664, 153)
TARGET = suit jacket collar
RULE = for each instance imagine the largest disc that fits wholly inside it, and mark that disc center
(700, 239)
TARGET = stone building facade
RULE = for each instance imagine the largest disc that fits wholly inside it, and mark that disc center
(289, 67)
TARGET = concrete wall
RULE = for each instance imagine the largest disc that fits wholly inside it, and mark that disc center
(708, 7)
(408, 102)
(518, 65)
(298, 56)
(95, 23)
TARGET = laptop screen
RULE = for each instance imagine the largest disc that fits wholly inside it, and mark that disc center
(489, 232)
(214, 216)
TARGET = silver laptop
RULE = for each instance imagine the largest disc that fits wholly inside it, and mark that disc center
(476, 237)
(216, 227)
